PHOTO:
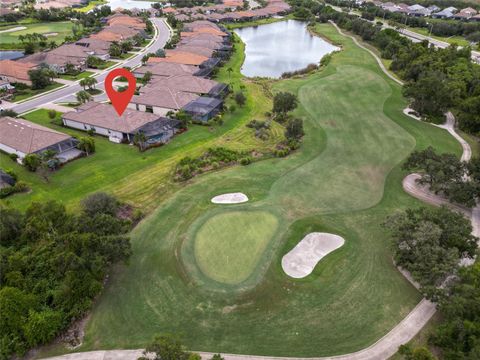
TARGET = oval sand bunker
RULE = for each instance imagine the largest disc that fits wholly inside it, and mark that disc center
(231, 198)
(302, 259)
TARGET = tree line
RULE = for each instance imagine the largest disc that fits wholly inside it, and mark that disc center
(53, 264)
(437, 80)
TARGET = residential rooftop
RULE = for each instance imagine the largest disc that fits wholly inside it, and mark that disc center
(28, 137)
(105, 116)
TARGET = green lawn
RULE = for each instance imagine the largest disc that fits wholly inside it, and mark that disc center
(21, 95)
(345, 179)
(82, 75)
(91, 5)
(145, 179)
(107, 64)
(243, 237)
(55, 31)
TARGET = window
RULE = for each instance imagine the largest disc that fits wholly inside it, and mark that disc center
(149, 109)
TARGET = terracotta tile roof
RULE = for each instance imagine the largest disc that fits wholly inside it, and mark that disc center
(167, 69)
(16, 69)
(53, 58)
(105, 116)
(189, 36)
(120, 19)
(165, 98)
(234, 3)
(168, 10)
(98, 46)
(28, 137)
(116, 33)
(185, 83)
(200, 50)
(208, 44)
(180, 57)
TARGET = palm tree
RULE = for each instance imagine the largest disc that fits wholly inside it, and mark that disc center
(83, 97)
(84, 83)
(140, 140)
(52, 45)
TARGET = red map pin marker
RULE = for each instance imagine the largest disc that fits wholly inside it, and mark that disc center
(120, 100)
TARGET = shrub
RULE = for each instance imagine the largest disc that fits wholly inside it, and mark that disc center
(232, 108)
(13, 156)
(52, 114)
(240, 98)
(100, 203)
(281, 152)
(246, 160)
(32, 162)
(87, 144)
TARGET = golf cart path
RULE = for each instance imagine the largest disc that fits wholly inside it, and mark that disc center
(382, 349)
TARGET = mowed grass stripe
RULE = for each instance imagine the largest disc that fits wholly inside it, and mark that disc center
(353, 297)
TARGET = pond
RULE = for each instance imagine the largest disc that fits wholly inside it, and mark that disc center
(280, 47)
(10, 54)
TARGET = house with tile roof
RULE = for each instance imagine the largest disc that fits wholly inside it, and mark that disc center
(104, 120)
(189, 84)
(22, 137)
(15, 71)
(161, 101)
(165, 70)
(180, 57)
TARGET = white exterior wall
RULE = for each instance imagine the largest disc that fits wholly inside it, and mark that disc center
(98, 130)
(11, 150)
(161, 111)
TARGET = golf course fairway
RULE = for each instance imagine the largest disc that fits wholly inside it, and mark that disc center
(345, 179)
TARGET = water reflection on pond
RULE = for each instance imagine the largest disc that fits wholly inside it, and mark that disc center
(279, 47)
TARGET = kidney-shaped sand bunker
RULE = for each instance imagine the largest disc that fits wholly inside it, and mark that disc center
(302, 259)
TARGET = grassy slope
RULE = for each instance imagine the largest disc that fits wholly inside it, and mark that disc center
(354, 125)
(143, 179)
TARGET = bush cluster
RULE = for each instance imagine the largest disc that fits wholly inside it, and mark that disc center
(213, 158)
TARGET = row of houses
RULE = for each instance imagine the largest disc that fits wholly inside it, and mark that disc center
(227, 12)
(433, 11)
(181, 80)
(119, 27)
(59, 4)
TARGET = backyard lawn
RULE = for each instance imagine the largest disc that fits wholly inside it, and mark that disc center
(91, 5)
(144, 179)
(21, 95)
(345, 179)
(55, 31)
(82, 75)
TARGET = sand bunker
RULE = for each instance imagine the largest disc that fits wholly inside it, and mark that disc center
(231, 198)
(50, 34)
(18, 28)
(303, 258)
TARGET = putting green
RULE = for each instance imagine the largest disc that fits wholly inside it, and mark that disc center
(345, 179)
(229, 246)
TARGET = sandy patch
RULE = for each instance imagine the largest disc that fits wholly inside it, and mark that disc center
(18, 28)
(302, 259)
(231, 198)
(50, 34)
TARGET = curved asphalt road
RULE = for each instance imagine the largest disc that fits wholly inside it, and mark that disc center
(161, 37)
